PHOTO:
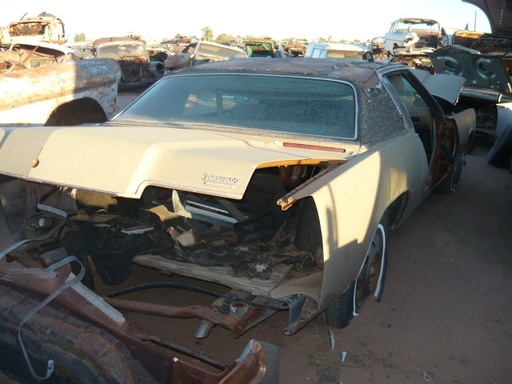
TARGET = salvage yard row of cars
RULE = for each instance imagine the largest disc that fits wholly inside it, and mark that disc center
(277, 181)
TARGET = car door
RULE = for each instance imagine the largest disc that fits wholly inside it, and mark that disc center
(392, 37)
(443, 137)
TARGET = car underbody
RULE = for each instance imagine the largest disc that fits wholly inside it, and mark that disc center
(71, 235)
(250, 245)
(71, 238)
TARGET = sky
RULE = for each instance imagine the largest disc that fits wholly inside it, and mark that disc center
(278, 19)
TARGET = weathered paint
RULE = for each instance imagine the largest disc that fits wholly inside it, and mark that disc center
(131, 157)
(30, 96)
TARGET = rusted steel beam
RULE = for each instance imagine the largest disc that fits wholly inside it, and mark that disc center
(90, 342)
(235, 323)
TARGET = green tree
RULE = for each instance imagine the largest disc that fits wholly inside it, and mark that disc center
(225, 39)
(207, 34)
(80, 38)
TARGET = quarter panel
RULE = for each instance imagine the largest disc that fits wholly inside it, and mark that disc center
(351, 201)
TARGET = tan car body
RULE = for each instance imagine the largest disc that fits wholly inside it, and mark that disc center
(129, 159)
(381, 177)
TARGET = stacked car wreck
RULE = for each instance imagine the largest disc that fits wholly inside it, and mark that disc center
(483, 59)
(57, 89)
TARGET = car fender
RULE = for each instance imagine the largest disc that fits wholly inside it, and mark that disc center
(351, 200)
(49, 87)
(466, 125)
(504, 118)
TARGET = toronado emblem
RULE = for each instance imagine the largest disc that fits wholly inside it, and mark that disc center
(221, 181)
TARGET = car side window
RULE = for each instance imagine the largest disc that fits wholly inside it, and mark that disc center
(417, 108)
(317, 53)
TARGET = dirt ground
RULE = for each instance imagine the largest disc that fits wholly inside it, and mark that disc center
(446, 314)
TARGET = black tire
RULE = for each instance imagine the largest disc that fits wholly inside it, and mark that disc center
(500, 152)
(370, 281)
(341, 311)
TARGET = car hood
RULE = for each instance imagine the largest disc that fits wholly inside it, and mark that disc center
(499, 13)
(486, 71)
(123, 160)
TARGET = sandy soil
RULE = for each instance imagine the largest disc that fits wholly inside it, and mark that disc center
(446, 314)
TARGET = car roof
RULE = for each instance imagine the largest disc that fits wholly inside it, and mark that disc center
(115, 40)
(210, 43)
(340, 46)
(416, 20)
(257, 41)
(360, 72)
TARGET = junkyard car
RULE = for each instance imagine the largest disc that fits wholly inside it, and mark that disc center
(291, 49)
(498, 44)
(42, 84)
(201, 52)
(137, 68)
(488, 90)
(33, 55)
(280, 179)
(43, 27)
(260, 47)
(337, 51)
(413, 35)
(56, 93)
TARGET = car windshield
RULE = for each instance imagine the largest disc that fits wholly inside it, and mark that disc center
(405, 26)
(206, 50)
(262, 102)
(260, 49)
(120, 51)
(345, 54)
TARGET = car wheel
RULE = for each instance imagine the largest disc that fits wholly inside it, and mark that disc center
(370, 281)
(500, 152)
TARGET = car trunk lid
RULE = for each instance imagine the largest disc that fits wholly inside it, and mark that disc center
(123, 160)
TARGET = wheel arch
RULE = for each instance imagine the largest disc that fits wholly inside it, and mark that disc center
(393, 214)
(75, 112)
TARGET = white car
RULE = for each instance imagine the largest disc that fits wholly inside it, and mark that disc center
(413, 34)
(337, 51)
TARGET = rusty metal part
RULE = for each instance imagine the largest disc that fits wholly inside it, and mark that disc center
(184, 350)
(236, 323)
(73, 77)
(79, 84)
(91, 342)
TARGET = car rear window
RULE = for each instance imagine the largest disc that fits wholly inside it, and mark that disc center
(257, 102)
